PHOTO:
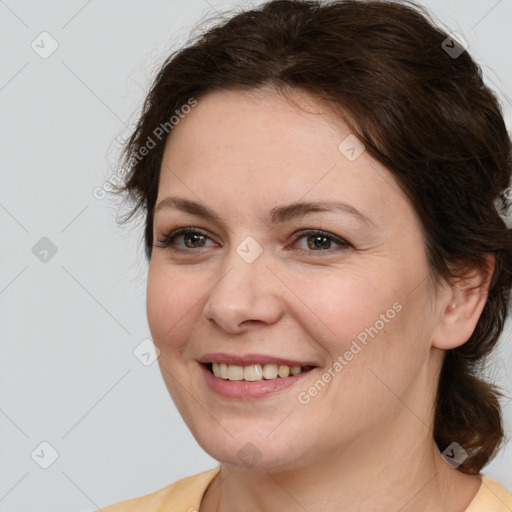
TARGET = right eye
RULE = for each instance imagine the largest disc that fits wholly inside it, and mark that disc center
(192, 238)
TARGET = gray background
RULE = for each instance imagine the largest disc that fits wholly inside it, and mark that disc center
(70, 323)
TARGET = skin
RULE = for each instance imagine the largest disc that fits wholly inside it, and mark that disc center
(365, 441)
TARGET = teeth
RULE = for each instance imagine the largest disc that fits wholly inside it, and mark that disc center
(283, 371)
(270, 371)
(254, 372)
(235, 372)
(295, 370)
(223, 371)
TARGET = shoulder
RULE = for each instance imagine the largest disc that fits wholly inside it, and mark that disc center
(182, 496)
(491, 497)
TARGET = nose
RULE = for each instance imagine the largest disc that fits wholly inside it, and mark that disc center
(245, 294)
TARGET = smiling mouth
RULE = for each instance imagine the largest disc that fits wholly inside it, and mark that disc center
(255, 372)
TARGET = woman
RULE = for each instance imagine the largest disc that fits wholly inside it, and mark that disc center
(324, 188)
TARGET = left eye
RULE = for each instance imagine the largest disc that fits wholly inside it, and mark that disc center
(317, 240)
(320, 241)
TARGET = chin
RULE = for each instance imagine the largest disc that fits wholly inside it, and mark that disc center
(250, 450)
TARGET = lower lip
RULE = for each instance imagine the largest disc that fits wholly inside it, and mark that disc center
(245, 389)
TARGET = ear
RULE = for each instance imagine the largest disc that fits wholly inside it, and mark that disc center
(461, 306)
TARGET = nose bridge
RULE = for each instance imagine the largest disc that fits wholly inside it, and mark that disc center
(247, 290)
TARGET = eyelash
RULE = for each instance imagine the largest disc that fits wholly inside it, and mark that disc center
(168, 240)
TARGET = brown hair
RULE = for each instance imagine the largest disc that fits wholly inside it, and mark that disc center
(422, 112)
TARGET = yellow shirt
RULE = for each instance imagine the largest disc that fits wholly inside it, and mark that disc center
(185, 496)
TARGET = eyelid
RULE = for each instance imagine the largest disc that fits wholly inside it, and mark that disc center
(318, 231)
(169, 238)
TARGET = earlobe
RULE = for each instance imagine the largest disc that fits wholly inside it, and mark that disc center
(463, 304)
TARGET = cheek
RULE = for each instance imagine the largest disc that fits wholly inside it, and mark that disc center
(169, 305)
(347, 306)
(367, 327)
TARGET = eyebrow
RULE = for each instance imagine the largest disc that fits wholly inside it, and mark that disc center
(277, 215)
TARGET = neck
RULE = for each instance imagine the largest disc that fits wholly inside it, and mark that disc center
(413, 480)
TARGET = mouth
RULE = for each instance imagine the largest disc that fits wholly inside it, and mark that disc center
(255, 372)
(252, 376)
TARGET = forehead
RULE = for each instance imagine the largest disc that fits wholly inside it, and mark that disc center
(257, 123)
(250, 146)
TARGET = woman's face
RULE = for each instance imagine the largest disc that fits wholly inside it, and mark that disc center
(256, 287)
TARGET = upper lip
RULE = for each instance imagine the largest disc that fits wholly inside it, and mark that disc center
(248, 359)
